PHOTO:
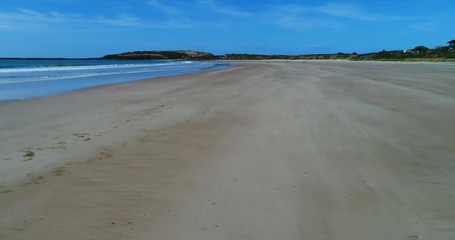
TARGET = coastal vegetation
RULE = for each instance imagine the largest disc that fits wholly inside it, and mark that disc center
(419, 53)
(151, 55)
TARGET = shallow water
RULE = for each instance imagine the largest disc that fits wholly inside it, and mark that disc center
(22, 79)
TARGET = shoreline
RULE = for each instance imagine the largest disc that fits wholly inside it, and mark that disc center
(110, 85)
(21, 80)
(261, 150)
(43, 102)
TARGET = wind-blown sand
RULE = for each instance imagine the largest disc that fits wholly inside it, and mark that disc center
(277, 150)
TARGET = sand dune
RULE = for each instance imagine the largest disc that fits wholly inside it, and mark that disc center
(266, 150)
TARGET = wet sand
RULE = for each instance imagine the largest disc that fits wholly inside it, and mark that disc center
(266, 150)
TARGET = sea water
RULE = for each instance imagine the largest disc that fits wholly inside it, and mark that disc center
(22, 79)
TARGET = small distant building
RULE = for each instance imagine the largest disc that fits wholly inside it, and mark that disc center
(408, 50)
(451, 43)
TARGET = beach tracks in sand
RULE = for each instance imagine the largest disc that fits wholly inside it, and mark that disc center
(279, 150)
(49, 155)
(58, 146)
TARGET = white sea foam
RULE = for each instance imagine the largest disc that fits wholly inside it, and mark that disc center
(85, 68)
(36, 74)
(34, 78)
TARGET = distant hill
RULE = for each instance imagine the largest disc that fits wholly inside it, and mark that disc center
(160, 55)
(419, 53)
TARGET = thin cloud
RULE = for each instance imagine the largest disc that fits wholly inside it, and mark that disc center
(30, 19)
(169, 10)
(176, 18)
(123, 20)
(297, 17)
(226, 10)
(26, 18)
(355, 12)
(288, 16)
(424, 26)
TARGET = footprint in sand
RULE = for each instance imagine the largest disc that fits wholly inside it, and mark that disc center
(28, 155)
(59, 145)
(105, 153)
(81, 137)
(34, 180)
(3, 190)
(153, 109)
(58, 171)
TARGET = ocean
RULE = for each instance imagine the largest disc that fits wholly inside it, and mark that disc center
(23, 79)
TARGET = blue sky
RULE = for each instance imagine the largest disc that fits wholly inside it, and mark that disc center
(92, 28)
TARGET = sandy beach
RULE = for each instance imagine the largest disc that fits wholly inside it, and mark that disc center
(331, 150)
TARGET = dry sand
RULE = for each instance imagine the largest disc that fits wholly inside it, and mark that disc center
(277, 150)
